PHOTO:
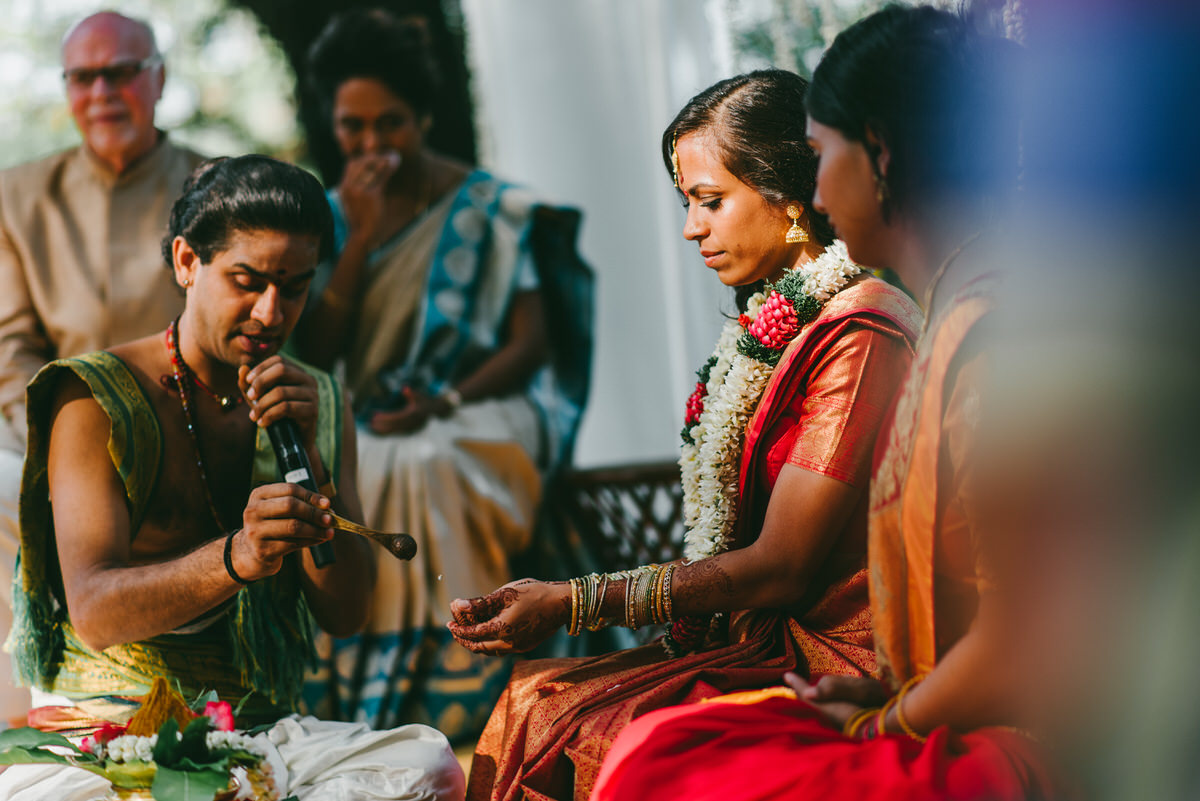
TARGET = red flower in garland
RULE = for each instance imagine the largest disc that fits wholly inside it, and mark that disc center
(776, 323)
(695, 404)
(106, 733)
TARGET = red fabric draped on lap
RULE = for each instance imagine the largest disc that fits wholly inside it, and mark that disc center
(780, 749)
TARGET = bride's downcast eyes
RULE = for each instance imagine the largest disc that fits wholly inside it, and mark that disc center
(711, 203)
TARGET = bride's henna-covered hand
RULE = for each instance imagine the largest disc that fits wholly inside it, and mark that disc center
(514, 618)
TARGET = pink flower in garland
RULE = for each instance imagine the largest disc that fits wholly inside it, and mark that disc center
(776, 323)
(221, 714)
(695, 404)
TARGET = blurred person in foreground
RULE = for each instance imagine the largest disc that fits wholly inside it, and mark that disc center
(80, 267)
(1094, 442)
(158, 538)
(775, 459)
(459, 313)
(917, 156)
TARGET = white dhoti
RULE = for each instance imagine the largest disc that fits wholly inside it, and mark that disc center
(315, 760)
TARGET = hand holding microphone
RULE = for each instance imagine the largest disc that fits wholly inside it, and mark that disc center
(283, 398)
(294, 464)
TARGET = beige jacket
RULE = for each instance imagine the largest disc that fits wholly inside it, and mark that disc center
(81, 266)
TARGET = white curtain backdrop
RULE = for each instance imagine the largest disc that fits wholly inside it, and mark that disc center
(571, 98)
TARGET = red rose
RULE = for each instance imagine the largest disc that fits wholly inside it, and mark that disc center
(221, 714)
(104, 734)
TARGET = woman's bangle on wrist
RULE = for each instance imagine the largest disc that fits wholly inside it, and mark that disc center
(900, 718)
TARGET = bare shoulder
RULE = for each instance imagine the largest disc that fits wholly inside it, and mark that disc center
(76, 418)
(146, 358)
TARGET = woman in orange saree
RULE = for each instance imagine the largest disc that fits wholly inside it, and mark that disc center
(777, 448)
(897, 110)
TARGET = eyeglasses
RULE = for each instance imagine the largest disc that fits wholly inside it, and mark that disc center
(115, 75)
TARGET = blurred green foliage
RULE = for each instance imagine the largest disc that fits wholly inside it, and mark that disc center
(229, 88)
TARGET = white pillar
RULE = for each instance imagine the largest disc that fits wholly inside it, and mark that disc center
(571, 99)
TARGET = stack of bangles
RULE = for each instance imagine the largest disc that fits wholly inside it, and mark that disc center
(647, 598)
(867, 724)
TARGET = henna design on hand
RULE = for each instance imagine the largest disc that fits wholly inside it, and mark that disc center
(530, 627)
(701, 587)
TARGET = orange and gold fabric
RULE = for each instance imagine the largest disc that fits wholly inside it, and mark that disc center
(924, 572)
(557, 719)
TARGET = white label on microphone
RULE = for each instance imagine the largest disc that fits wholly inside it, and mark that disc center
(296, 476)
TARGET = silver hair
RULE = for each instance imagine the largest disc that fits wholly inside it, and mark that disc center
(155, 53)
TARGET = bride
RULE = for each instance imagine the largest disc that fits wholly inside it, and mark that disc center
(777, 449)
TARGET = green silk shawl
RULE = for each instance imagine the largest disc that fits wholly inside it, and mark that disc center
(269, 639)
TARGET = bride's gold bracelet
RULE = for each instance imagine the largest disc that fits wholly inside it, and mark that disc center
(647, 598)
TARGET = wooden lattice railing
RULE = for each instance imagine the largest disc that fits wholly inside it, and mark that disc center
(626, 516)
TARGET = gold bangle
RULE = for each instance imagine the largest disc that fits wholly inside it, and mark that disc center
(630, 581)
(657, 608)
(573, 629)
(585, 601)
(852, 726)
(909, 730)
(668, 588)
(595, 620)
(639, 596)
(881, 728)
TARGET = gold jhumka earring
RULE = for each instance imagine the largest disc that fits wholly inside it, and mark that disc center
(795, 235)
(881, 189)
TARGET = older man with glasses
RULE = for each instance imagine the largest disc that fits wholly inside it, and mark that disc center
(80, 230)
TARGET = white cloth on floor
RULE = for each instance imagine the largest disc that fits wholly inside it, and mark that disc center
(315, 760)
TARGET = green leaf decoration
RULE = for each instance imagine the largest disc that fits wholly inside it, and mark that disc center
(26, 737)
(807, 308)
(220, 763)
(202, 700)
(166, 750)
(751, 347)
(130, 774)
(193, 746)
(188, 785)
(237, 710)
(23, 756)
(25, 745)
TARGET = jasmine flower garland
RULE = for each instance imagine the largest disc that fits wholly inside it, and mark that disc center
(737, 374)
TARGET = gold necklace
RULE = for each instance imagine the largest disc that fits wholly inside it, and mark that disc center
(937, 277)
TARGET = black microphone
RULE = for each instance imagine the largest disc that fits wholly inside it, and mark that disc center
(296, 469)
